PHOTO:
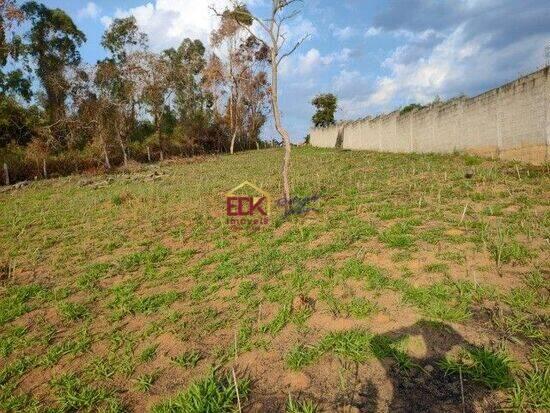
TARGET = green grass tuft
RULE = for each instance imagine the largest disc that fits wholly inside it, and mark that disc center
(438, 301)
(11, 339)
(301, 356)
(74, 395)
(386, 347)
(216, 394)
(531, 391)
(189, 359)
(304, 406)
(73, 311)
(359, 308)
(279, 322)
(398, 236)
(490, 368)
(15, 301)
(144, 382)
(149, 353)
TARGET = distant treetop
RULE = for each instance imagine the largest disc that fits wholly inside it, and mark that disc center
(326, 105)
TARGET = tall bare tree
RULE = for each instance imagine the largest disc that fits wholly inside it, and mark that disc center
(275, 40)
(115, 89)
(237, 70)
(118, 77)
(256, 102)
(157, 91)
(239, 75)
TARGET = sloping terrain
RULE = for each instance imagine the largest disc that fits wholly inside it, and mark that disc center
(414, 283)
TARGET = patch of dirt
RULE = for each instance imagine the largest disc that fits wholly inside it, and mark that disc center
(36, 382)
(296, 381)
(454, 232)
(323, 321)
(324, 239)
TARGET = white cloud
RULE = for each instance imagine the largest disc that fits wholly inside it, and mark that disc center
(298, 28)
(347, 80)
(106, 21)
(457, 64)
(168, 22)
(309, 61)
(91, 10)
(402, 33)
(352, 88)
(344, 33)
(417, 36)
(313, 59)
(373, 31)
(422, 79)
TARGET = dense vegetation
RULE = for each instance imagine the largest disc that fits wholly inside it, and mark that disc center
(60, 115)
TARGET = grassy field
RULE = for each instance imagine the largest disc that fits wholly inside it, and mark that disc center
(409, 287)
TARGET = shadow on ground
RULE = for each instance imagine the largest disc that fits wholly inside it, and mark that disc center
(425, 387)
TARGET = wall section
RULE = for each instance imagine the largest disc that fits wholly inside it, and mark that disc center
(510, 122)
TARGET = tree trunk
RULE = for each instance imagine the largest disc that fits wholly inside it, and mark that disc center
(107, 162)
(6, 174)
(280, 129)
(231, 148)
(233, 137)
(232, 109)
(125, 155)
(158, 122)
(123, 148)
(105, 153)
(236, 102)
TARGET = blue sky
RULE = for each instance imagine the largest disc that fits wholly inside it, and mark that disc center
(374, 55)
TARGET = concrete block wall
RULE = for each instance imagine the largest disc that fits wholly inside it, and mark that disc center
(325, 137)
(510, 122)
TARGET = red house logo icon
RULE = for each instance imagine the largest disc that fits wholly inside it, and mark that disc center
(247, 203)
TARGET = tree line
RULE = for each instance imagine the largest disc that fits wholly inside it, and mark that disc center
(136, 104)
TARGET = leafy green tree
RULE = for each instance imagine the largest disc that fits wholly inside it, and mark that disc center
(16, 122)
(125, 42)
(186, 64)
(233, 74)
(52, 42)
(326, 105)
(122, 37)
(192, 100)
(411, 107)
(12, 81)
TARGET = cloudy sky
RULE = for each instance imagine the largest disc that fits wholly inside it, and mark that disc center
(374, 55)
